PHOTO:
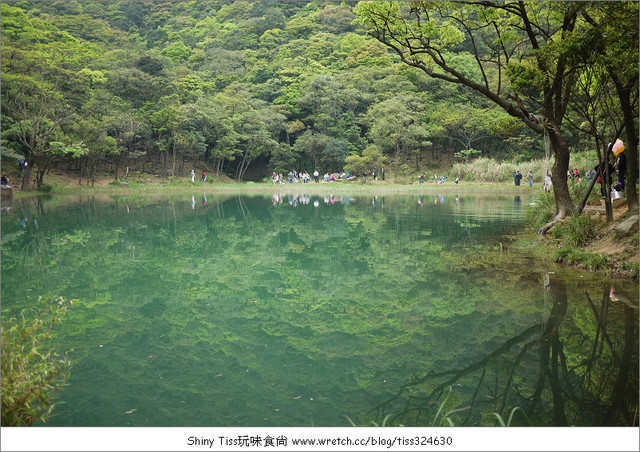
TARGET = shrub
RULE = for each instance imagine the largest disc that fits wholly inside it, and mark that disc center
(570, 255)
(575, 231)
(45, 188)
(31, 371)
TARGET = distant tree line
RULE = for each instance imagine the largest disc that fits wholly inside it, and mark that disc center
(246, 88)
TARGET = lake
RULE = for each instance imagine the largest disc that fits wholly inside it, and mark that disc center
(196, 309)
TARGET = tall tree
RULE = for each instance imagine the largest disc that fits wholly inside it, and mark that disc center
(615, 41)
(38, 110)
(395, 126)
(518, 47)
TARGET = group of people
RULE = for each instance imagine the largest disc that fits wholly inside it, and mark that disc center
(304, 177)
(294, 199)
(517, 178)
(203, 176)
(436, 179)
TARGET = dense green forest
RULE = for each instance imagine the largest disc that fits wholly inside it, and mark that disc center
(241, 89)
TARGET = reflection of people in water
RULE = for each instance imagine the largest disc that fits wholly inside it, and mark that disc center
(613, 295)
(420, 203)
(517, 202)
(204, 200)
(23, 222)
(193, 201)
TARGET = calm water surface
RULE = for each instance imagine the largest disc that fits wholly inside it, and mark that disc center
(298, 310)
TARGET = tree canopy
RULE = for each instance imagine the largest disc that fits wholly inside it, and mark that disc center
(246, 88)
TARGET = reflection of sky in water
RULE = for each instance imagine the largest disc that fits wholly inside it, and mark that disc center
(288, 309)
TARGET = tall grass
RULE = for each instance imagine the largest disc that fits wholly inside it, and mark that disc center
(486, 169)
(542, 210)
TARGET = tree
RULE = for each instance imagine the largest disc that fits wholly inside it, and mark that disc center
(38, 110)
(166, 122)
(464, 124)
(395, 127)
(258, 128)
(336, 150)
(616, 43)
(370, 159)
(312, 145)
(522, 65)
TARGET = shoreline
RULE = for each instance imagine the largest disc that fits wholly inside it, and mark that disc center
(543, 246)
(312, 187)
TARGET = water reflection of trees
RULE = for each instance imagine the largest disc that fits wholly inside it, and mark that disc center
(129, 248)
(551, 373)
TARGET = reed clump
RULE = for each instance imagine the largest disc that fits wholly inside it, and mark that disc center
(486, 169)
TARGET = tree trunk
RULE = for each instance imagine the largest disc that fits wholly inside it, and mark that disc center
(631, 149)
(583, 202)
(564, 203)
(173, 170)
(240, 171)
(40, 176)
(26, 176)
(117, 166)
(84, 162)
(606, 180)
(395, 174)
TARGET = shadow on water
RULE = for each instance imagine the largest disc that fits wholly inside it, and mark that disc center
(545, 375)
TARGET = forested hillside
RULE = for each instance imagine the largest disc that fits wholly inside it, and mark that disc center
(243, 87)
(237, 88)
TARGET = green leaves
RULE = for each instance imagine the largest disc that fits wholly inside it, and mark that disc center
(31, 371)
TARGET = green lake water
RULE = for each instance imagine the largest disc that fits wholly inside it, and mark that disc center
(303, 310)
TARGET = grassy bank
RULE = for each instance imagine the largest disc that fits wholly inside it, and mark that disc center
(585, 241)
(140, 183)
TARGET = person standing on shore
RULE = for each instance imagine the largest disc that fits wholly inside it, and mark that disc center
(621, 168)
(193, 176)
